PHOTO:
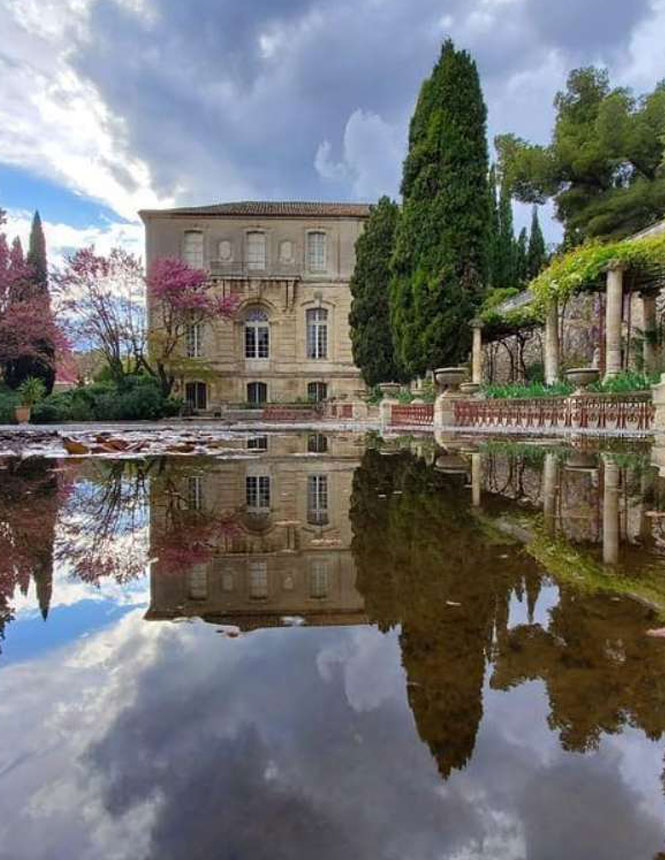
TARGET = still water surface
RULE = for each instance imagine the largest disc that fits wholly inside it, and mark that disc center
(312, 646)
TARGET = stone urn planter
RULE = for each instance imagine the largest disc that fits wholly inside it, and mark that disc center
(389, 389)
(450, 377)
(451, 464)
(581, 377)
(22, 414)
(469, 388)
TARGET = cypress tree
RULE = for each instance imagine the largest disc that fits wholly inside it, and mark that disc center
(36, 257)
(37, 287)
(493, 230)
(521, 259)
(537, 254)
(505, 253)
(441, 259)
(369, 319)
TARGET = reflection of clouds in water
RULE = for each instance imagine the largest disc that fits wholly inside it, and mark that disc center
(152, 740)
(371, 666)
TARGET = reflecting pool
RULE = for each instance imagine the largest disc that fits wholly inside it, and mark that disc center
(333, 646)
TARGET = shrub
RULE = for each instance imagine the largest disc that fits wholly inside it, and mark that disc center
(628, 380)
(8, 403)
(31, 391)
(137, 398)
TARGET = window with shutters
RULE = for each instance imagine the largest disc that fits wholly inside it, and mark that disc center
(194, 337)
(319, 579)
(257, 334)
(194, 493)
(258, 580)
(317, 333)
(257, 493)
(317, 500)
(257, 393)
(317, 392)
(256, 250)
(192, 248)
(316, 251)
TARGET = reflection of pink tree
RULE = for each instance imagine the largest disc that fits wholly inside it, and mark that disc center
(186, 537)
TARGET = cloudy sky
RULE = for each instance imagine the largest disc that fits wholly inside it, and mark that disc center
(107, 106)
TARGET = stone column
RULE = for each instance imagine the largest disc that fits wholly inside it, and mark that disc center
(552, 343)
(613, 315)
(477, 353)
(550, 474)
(611, 513)
(650, 329)
(476, 476)
(386, 410)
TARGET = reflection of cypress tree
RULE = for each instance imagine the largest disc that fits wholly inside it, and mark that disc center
(601, 671)
(423, 561)
(28, 511)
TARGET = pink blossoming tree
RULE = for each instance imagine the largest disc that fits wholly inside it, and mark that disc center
(27, 325)
(179, 296)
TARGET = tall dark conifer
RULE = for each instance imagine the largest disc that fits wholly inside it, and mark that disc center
(493, 229)
(36, 288)
(521, 259)
(537, 254)
(369, 319)
(36, 257)
(441, 259)
(505, 253)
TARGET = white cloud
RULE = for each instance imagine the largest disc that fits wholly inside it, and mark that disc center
(371, 159)
(62, 239)
(53, 122)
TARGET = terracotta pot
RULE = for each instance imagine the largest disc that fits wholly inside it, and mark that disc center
(449, 377)
(22, 414)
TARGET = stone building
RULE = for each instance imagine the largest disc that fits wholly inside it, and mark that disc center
(284, 549)
(289, 265)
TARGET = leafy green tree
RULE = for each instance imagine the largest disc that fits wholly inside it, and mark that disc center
(537, 253)
(604, 166)
(371, 335)
(441, 258)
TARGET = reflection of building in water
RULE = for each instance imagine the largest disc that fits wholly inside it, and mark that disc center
(269, 534)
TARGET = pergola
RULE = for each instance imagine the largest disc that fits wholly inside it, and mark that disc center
(636, 265)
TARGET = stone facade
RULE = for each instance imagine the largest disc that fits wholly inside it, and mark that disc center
(289, 265)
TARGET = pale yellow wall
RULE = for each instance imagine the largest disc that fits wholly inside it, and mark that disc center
(285, 290)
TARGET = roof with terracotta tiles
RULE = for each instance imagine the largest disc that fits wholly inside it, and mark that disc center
(269, 209)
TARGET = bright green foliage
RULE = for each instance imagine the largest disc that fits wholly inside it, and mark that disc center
(369, 319)
(516, 390)
(522, 259)
(537, 253)
(440, 264)
(136, 398)
(498, 322)
(582, 268)
(604, 166)
(31, 391)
